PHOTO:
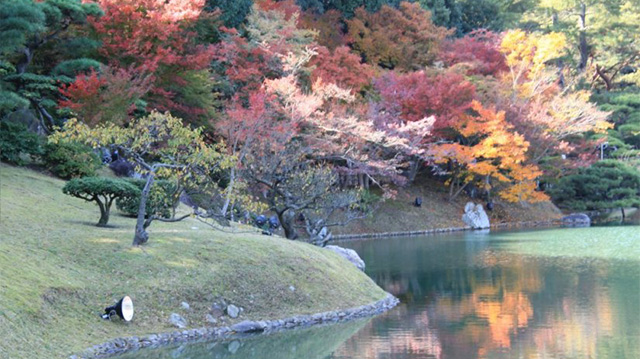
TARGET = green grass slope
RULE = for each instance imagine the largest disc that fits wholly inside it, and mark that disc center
(58, 271)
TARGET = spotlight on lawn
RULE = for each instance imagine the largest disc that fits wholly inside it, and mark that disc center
(124, 309)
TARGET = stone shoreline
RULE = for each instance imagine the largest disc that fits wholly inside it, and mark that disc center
(123, 345)
(430, 231)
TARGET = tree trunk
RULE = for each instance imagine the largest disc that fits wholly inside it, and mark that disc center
(623, 214)
(21, 67)
(227, 201)
(104, 213)
(583, 47)
(286, 221)
(413, 169)
(141, 236)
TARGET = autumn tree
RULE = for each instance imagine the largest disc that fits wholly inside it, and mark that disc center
(330, 27)
(479, 50)
(111, 95)
(341, 67)
(597, 29)
(416, 95)
(156, 39)
(489, 153)
(294, 144)
(403, 38)
(554, 116)
(160, 145)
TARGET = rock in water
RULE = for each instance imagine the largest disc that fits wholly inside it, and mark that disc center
(232, 311)
(349, 254)
(576, 220)
(177, 321)
(475, 216)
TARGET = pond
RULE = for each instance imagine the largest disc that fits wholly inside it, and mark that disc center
(554, 293)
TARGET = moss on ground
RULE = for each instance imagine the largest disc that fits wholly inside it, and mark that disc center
(58, 271)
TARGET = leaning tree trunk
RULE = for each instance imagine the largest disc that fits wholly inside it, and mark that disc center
(141, 236)
(583, 46)
(104, 212)
(286, 221)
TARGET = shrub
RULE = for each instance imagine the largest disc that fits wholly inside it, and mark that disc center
(605, 185)
(101, 190)
(71, 160)
(122, 167)
(161, 201)
(16, 140)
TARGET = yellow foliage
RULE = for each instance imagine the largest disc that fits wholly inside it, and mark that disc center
(498, 152)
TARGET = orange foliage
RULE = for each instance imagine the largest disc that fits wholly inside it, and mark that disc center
(402, 38)
(341, 67)
(490, 149)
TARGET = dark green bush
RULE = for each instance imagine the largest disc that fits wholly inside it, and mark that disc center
(71, 160)
(101, 190)
(161, 201)
(605, 185)
(16, 141)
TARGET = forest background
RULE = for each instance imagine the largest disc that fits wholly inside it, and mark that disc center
(318, 110)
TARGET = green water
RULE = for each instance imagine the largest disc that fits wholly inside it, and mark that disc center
(558, 293)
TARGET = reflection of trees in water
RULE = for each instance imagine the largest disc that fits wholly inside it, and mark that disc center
(484, 303)
(312, 343)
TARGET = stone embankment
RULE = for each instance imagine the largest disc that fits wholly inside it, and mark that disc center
(122, 345)
(431, 231)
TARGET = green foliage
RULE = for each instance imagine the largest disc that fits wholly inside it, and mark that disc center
(368, 201)
(71, 160)
(101, 190)
(32, 44)
(15, 141)
(72, 68)
(161, 202)
(89, 187)
(625, 108)
(232, 12)
(605, 185)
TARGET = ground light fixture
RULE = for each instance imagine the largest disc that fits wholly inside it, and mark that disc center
(124, 309)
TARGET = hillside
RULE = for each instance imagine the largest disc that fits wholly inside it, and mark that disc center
(438, 212)
(58, 271)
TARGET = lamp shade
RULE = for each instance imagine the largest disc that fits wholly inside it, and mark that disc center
(124, 309)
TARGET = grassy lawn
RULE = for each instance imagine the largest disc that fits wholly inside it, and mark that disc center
(58, 271)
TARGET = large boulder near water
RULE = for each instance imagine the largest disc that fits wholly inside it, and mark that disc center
(475, 216)
(577, 220)
(349, 254)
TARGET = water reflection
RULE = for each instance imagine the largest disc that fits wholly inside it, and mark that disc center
(526, 295)
(463, 297)
(315, 343)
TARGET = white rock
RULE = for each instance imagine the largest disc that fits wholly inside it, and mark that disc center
(349, 254)
(475, 216)
(232, 311)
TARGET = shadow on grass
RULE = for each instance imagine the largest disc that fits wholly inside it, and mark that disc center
(93, 224)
